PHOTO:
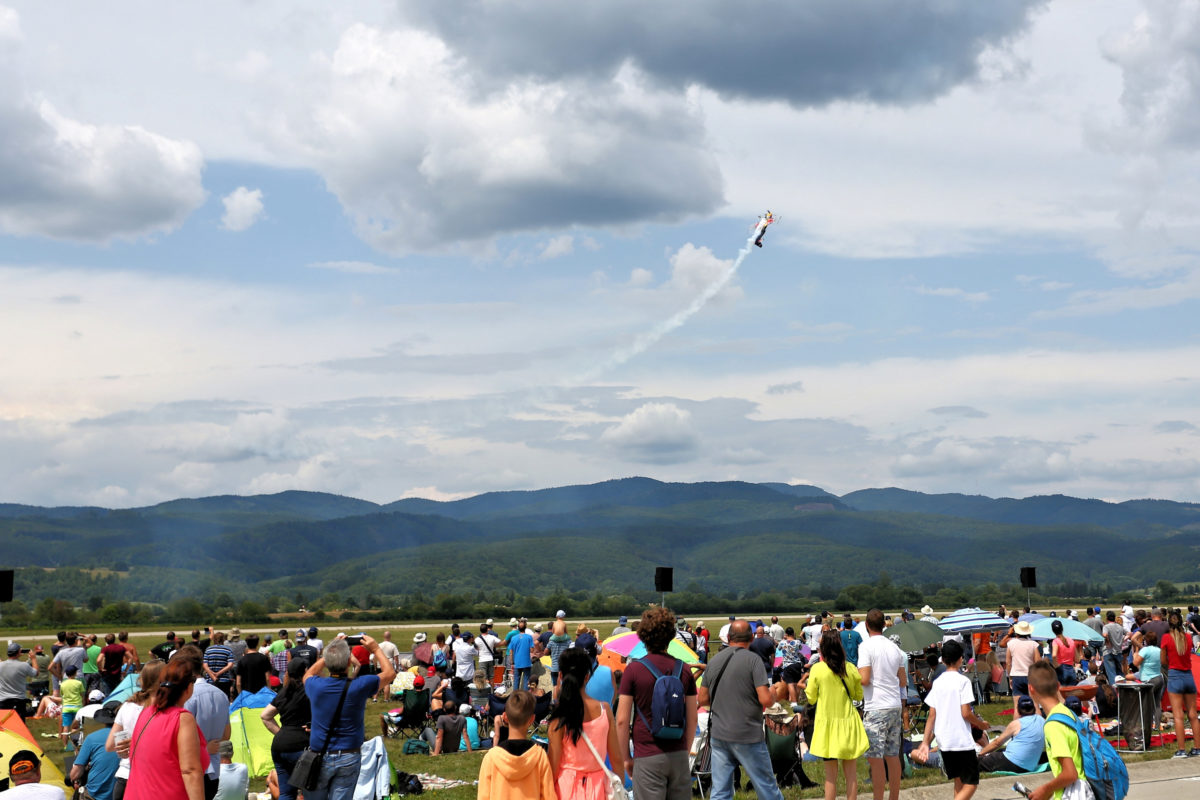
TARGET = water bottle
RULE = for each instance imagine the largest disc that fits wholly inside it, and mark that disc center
(1020, 788)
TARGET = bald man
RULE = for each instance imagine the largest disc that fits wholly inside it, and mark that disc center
(737, 689)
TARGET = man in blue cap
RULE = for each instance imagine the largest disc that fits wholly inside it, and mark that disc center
(622, 626)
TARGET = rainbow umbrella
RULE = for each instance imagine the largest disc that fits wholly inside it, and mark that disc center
(628, 646)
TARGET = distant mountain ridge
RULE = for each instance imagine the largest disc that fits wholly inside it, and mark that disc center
(725, 536)
(1036, 510)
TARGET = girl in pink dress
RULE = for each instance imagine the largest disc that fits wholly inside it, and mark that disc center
(577, 773)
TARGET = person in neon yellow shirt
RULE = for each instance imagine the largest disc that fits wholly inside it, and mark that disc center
(1062, 743)
(72, 699)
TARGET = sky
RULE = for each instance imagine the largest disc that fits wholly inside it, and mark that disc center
(430, 249)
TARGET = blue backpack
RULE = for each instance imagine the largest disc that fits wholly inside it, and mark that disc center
(439, 658)
(668, 706)
(1103, 769)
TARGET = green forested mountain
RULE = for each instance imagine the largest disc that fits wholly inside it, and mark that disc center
(723, 538)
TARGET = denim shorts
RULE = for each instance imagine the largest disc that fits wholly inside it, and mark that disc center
(1180, 682)
(1019, 684)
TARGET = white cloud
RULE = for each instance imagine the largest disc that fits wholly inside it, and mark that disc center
(406, 139)
(67, 179)
(243, 208)
(558, 247)
(639, 277)
(655, 433)
(959, 294)
(694, 269)
(353, 267)
(10, 24)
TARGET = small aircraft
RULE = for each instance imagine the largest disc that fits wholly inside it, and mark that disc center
(760, 229)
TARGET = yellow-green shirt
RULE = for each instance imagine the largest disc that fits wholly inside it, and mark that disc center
(72, 694)
(1062, 742)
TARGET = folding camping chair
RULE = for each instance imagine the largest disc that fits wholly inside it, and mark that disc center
(700, 761)
(783, 745)
(411, 722)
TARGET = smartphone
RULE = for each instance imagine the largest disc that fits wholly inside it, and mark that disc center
(1021, 788)
(354, 641)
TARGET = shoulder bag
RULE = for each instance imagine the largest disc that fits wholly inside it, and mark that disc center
(614, 787)
(307, 772)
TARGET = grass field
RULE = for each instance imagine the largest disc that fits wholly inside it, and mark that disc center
(465, 766)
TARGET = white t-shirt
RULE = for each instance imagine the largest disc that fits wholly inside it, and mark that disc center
(35, 791)
(949, 693)
(464, 659)
(317, 643)
(724, 634)
(492, 641)
(885, 660)
(812, 636)
(233, 783)
(127, 717)
(777, 632)
(390, 652)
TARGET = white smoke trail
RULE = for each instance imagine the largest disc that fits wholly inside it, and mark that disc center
(647, 339)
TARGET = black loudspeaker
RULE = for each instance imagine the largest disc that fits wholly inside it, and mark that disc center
(662, 579)
(6, 586)
(1028, 577)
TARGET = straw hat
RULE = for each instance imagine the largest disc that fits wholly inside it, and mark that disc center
(1023, 629)
(926, 610)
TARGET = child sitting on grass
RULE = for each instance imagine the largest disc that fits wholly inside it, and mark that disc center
(517, 769)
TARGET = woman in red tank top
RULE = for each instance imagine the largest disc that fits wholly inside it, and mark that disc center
(167, 750)
(1062, 651)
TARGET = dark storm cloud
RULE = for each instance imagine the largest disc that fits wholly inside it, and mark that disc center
(805, 54)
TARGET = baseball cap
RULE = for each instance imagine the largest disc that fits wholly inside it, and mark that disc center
(23, 762)
(312, 631)
(301, 636)
(418, 682)
(1025, 704)
(107, 715)
(560, 613)
(465, 709)
(95, 696)
(624, 620)
(14, 648)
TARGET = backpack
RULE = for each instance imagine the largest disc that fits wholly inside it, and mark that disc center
(1103, 769)
(439, 658)
(668, 706)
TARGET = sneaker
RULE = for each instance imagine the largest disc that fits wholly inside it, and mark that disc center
(1193, 752)
(1179, 754)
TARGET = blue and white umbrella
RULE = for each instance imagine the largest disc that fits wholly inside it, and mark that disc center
(972, 620)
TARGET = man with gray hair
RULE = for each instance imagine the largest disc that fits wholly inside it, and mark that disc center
(341, 734)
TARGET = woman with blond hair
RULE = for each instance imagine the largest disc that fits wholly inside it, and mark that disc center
(127, 717)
